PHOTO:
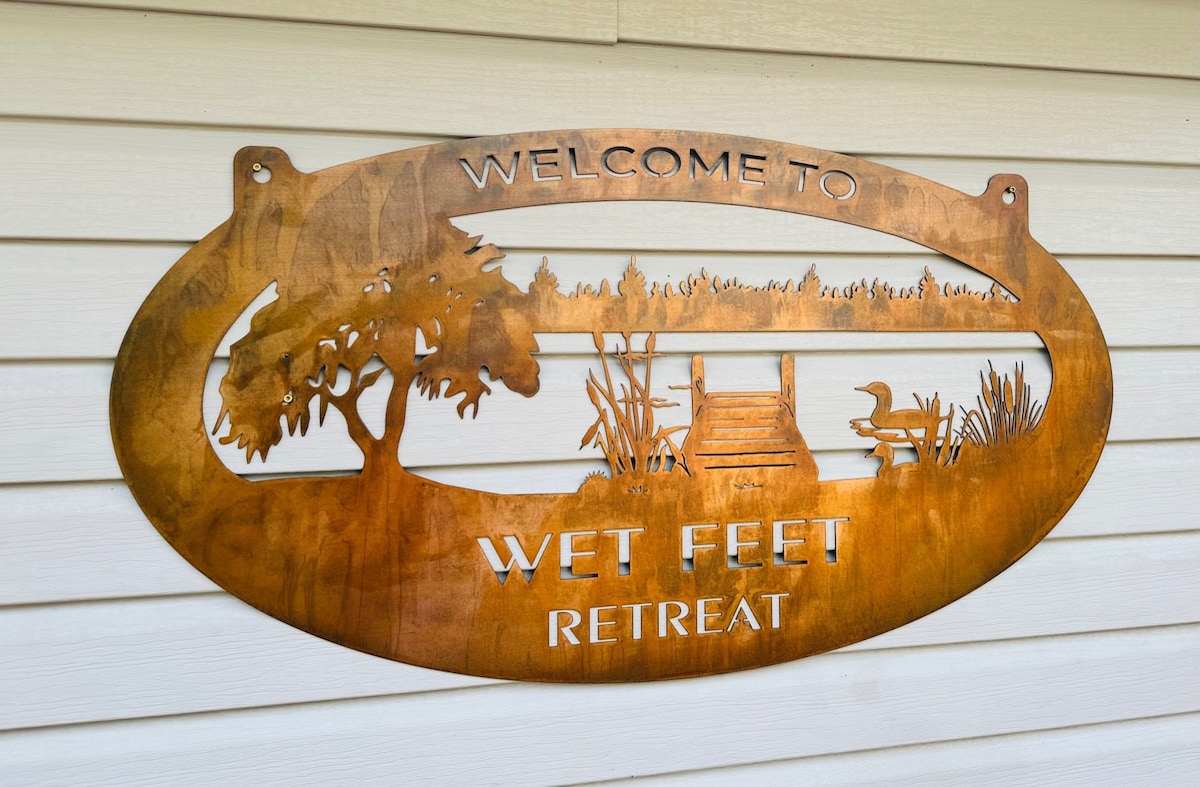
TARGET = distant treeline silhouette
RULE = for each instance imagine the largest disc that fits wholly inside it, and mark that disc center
(633, 285)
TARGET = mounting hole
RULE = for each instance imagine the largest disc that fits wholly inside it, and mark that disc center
(260, 174)
(1010, 195)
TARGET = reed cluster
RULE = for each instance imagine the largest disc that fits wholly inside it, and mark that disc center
(624, 428)
(1006, 410)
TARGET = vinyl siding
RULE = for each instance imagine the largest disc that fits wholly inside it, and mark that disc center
(118, 123)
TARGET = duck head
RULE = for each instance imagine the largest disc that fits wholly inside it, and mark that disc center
(876, 388)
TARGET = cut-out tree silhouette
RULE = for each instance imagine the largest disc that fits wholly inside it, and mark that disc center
(349, 310)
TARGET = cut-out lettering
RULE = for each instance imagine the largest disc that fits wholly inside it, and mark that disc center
(536, 165)
(624, 546)
(567, 630)
(490, 164)
(734, 544)
(803, 169)
(672, 613)
(747, 167)
(703, 615)
(780, 542)
(606, 157)
(654, 172)
(743, 613)
(516, 555)
(573, 161)
(568, 553)
(690, 546)
(721, 163)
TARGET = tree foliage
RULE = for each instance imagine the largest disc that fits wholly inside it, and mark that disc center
(342, 322)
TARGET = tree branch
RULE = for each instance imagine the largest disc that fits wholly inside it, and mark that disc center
(347, 405)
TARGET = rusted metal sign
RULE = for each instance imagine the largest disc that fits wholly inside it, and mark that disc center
(709, 543)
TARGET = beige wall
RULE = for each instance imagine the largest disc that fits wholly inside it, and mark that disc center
(119, 663)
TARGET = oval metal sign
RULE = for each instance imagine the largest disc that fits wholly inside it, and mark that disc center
(707, 545)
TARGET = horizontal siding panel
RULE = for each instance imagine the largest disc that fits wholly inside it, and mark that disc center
(71, 663)
(76, 300)
(116, 182)
(67, 405)
(131, 182)
(84, 542)
(166, 656)
(1049, 592)
(593, 21)
(232, 72)
(1120, 37)
(90, 541)
(1161, 751)
(546, 734)
(1126, 36)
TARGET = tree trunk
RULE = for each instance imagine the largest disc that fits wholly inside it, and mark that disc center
(400, 359)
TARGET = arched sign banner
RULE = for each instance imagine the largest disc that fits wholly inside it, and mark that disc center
(702, 547)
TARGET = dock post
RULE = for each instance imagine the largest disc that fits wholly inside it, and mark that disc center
(787, 380)
(697, 383)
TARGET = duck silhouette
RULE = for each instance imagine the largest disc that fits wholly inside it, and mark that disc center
(887, 454)
(884, 418)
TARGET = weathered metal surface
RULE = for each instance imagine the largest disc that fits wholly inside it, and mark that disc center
(696, 554)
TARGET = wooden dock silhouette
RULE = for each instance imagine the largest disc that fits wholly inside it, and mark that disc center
(741, 430)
